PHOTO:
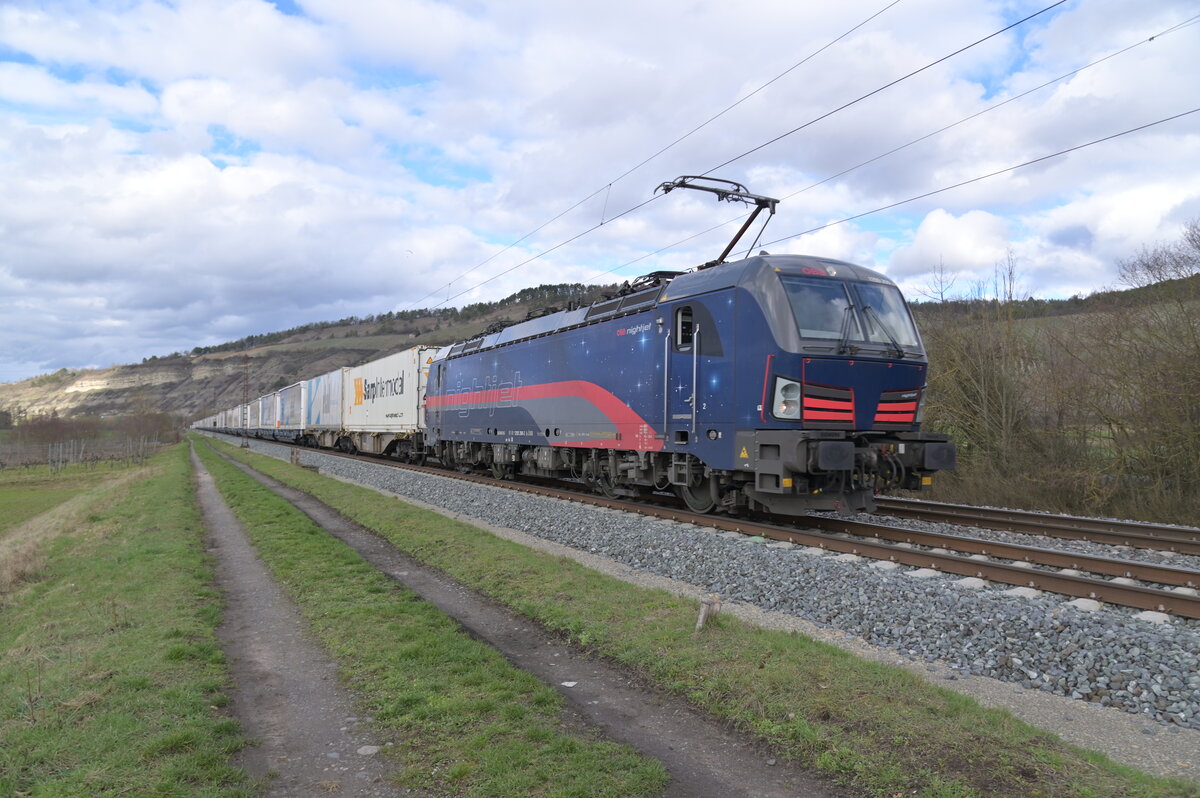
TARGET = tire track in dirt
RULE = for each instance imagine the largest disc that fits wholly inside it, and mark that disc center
(286, 692)
(704, 758)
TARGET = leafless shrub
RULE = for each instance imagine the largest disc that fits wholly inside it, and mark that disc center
(1097, 412)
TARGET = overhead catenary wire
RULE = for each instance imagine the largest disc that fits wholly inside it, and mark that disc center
(882, 88)
(1173, 29)
(545, 252)
(608, 186)
(498, 253)
(1177, 27)
(983, 177)
(743, 99)
(826, 115)
(924, 195)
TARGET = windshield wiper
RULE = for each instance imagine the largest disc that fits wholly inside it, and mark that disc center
(844, 345)
(895, 348)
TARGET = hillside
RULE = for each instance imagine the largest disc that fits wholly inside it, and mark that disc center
(206, 379)
(975, 310)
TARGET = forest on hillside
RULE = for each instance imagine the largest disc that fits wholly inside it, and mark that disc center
(423, 320)
(1096, 412)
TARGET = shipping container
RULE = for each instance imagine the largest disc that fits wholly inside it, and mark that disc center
(292, 402)
(268, 419)
(323, 409)
(383, 402)
(253, 415)
(386, 395)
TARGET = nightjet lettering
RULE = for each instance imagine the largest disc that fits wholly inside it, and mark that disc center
(634, 330)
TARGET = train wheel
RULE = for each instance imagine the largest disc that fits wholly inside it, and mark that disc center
(701, 498)
(605, 486)
(598, 480)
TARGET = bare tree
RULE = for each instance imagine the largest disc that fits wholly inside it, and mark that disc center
(940, 283)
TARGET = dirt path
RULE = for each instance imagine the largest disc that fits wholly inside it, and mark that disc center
(286, 694)
(703, 757)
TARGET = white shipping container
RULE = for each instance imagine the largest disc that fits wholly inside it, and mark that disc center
(254, 414)
(324, 409)
(387, 395)
(268, 411)
(292, 401)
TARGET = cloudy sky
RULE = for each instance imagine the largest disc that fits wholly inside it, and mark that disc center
(176, 174)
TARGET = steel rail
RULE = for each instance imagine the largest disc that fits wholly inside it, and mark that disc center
(1137, 596)
(1182, 540)
(1034, 555)
(1140, 597)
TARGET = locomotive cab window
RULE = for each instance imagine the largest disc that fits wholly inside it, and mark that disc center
(858, 312)
(685, 329)
(886, 317)
(822, 308)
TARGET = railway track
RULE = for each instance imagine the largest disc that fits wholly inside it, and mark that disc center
(1182, 540)
(1172, 590)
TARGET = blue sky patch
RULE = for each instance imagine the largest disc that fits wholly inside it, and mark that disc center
(121, 77)
(894, 226)
(15, 56)
(226, 142)
(367, 74)
(290, 8)
(435, 169)
(69, 73)
(132, 125)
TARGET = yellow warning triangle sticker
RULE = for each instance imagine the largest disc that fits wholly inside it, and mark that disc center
(745, 455)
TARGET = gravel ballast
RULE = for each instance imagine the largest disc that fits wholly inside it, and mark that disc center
(1105, 657)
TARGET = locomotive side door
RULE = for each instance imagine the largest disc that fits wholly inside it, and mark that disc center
(680, 377)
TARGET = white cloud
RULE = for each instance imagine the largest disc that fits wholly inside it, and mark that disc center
(217, 168)
(970, 244)
(32, 86)
(244, 40)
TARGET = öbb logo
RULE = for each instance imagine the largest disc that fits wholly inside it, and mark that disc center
(634, 330)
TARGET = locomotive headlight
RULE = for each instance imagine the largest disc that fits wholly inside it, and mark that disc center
(787, 399)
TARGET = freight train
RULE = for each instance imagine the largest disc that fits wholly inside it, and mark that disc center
(781, 383)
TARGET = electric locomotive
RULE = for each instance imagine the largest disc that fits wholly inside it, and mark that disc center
(784, 383)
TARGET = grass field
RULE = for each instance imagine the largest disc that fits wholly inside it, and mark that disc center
(878, 729)
(111, 681)
(27, 492)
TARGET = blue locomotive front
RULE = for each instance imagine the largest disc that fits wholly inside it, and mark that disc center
(779, 382)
